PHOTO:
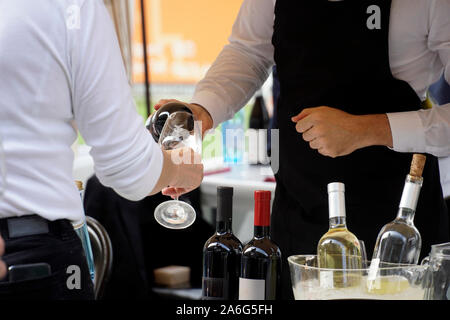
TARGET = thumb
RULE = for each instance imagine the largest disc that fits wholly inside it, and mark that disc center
(305, 112)
(162, 102)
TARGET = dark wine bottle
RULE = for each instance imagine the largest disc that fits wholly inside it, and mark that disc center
(259, 123)
(261, 257)
(259, 117)
(222, 253)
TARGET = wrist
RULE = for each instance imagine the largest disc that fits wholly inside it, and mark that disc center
(202, 115)
(377, 130)
(169, 173)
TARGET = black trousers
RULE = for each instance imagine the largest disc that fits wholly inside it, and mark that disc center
(60, 248)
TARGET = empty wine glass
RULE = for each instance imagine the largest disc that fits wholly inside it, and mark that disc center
(174, 127)
(362, 246)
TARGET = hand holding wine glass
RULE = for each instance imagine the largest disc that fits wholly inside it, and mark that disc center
(177, 131)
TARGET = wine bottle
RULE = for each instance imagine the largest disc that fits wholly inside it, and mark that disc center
(258, 125)
(259, 116)
(399, 241)
(222, 253)
(338, 248)
(261, 257)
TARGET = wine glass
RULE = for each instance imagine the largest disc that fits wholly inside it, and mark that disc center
(362, 245)
(179, 129)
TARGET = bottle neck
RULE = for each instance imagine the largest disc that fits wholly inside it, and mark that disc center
(336, 208)
(224, 226)
(261, 231)
(406, 215)
(410, 196)
(338, 222)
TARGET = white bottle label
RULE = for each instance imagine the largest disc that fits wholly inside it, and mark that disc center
(252, 289)
(373, 270)
(410, 195)
(326, 279)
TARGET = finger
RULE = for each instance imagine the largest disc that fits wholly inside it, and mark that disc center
(178, 192)
(305, 112)
(310, 134)
(169, 191)
(304, 125)
(174, 192)
(2, 246)
(325, 152)
(2, 269)
(163, 102)
(315, 144)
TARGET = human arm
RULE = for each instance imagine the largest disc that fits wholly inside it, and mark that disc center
(125, 155)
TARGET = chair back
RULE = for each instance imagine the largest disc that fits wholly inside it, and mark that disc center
(102, 252)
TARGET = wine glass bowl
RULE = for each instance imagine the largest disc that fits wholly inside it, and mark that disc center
(173, 126)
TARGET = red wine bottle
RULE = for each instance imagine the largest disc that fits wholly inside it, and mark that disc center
(222, 254)
(261, 257)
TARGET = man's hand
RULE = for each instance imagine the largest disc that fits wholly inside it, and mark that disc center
(182, 171)
(335, 133)
(200, 113)
(189, 172)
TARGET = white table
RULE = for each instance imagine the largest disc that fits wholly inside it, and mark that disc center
(245, 179)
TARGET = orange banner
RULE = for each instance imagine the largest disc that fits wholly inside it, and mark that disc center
(184, 38)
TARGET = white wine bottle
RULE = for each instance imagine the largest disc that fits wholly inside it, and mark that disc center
(338, 248)
(399, 241)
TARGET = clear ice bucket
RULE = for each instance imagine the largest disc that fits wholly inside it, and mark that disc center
(389, 282)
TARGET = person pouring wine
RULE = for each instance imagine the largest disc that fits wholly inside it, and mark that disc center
(353, 76)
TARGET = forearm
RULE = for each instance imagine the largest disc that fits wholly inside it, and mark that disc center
(243, 64)
(230, 82)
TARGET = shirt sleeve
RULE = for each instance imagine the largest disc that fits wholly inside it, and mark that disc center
(243, 64)
(428, 130)
(125, 155)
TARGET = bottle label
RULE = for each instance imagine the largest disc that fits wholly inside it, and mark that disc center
(326, 279)
(214, 288)
(252, 289)
(373, 270)
(410, 195)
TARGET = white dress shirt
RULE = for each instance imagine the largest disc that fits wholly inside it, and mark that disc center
(419, 52)
(60, 63)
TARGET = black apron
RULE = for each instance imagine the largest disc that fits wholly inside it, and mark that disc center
(327, 56)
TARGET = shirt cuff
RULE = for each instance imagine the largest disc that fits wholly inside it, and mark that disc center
(211, 102)
(407, 131)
